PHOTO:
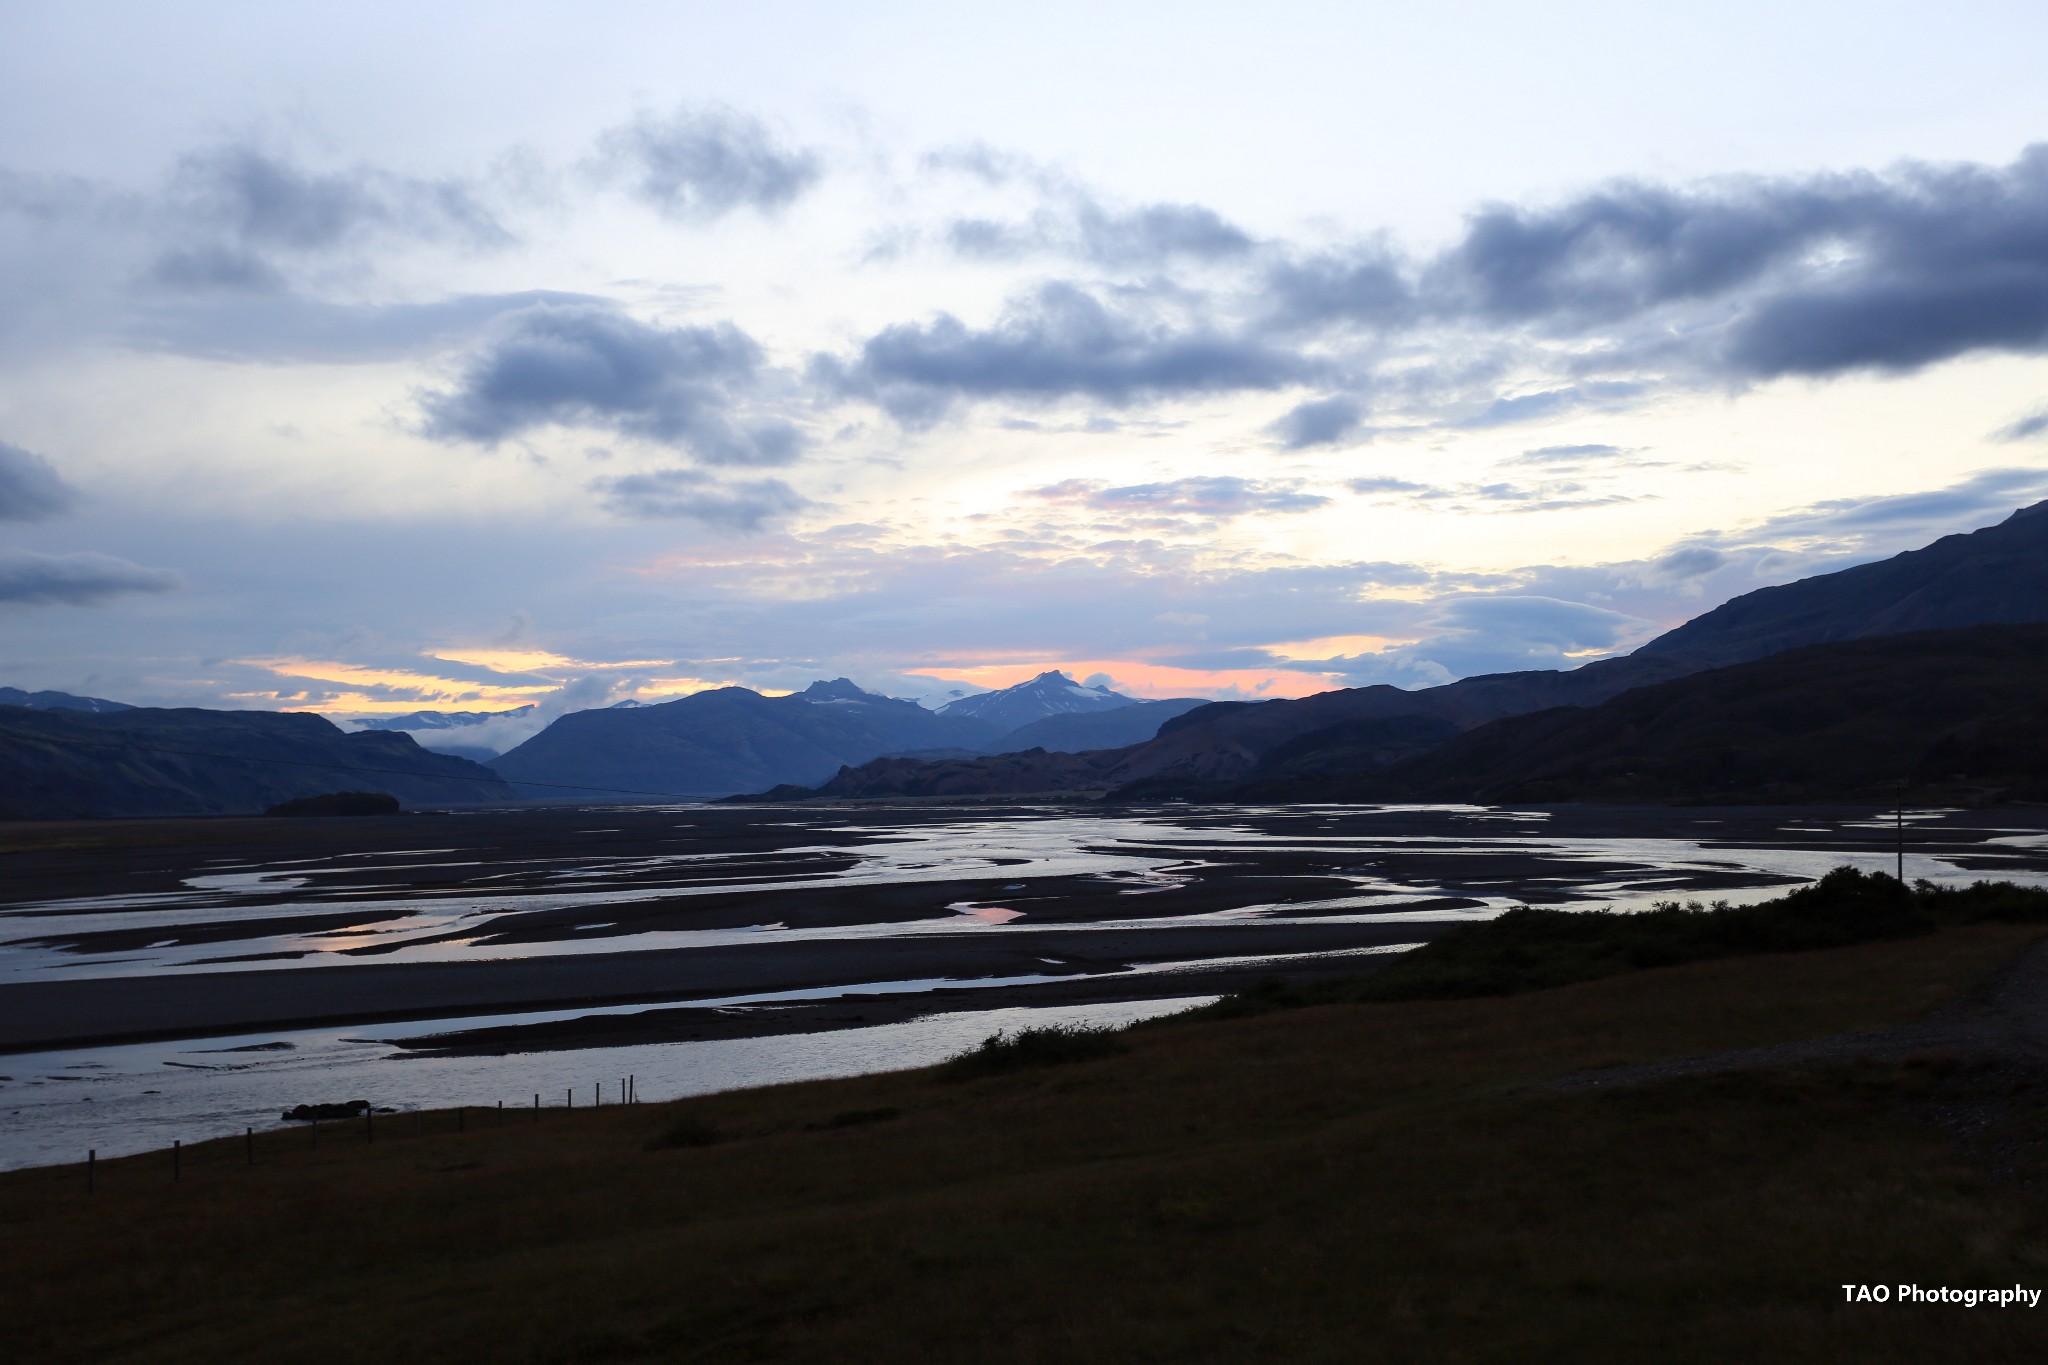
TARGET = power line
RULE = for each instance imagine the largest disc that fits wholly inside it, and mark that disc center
(345, 767)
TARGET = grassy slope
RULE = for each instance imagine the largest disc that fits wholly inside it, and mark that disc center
(1949, 709)
(1346, 1182)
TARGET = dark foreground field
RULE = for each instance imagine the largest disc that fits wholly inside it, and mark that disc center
(1349, 1182)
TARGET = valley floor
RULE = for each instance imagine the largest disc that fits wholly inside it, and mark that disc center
(1356, 1182)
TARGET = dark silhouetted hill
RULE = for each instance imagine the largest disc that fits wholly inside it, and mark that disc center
(337, 804)
(1028, 773)
(58, 701)
(1962, 715)
(729, 739)
(1996, 576)
(1079, 731)
(57, 764)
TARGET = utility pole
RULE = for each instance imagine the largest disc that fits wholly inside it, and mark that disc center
(1900, 819)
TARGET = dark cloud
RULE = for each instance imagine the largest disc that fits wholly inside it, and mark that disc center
(1811, 276)
(1367, 287)
(1690, 562)
(207, 269)
(30, 489)
(1063, 341)
(1623, 250)
(1070, 219)
(701, 164)
(241, 208)
(2033, 424)
(31, 579)
(1319, 422)
(691, 493)
(1213, 496)
(593, 366)
(1602, 299)
(1152, 236)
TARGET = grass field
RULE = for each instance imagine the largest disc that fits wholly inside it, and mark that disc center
(1367, 1181)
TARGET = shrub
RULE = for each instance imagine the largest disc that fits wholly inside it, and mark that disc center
(687, 1131)
(338, 803)
(1053, 1045)
(854, 1118)
(1526, 950)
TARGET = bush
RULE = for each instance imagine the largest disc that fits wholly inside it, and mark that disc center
(338, 803)
(854, 1118)
(1527, 950)
(1053, 1045)
(687, 1131)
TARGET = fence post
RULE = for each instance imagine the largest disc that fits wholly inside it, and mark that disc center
(536, 1106)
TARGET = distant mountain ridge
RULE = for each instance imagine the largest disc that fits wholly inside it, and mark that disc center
(63, 763)
(1995, 575)
(1080, 731)
(1051, 693)
(438, 720)
(730, 739)
(59, 701)
(733, 739)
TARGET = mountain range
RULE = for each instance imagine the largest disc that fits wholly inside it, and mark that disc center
(729, 739)
(63, 762)
(1940, 643)
(732, 739)
(58, 701)
(1049, 694)
(1992, 578)
(438, 720)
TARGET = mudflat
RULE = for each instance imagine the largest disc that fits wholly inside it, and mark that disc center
(122, 930)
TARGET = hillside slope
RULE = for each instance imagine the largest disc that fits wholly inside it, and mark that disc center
(1080, 731)
(729, 739)
(1051, 693)
(1958, 712)
(1996, 576)
(59, 764)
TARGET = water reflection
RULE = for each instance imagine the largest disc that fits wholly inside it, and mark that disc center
(424, 905)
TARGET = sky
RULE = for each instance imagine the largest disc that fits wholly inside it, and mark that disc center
(374, 358)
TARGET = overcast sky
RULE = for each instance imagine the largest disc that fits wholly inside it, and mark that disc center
(375, 357)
